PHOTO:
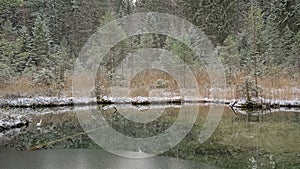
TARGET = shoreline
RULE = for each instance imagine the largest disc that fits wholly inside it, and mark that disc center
(17, 115)
(47, 102)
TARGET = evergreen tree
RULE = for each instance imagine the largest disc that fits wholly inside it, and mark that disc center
(41, 44)
(6, 49)
(156, 6)
(185, 55)
(217, 18)
(230, 56)
(40, 57)
(273, 54)
(61, 62)
(253, 57)
(13, 56)
(8, 9)
(287, 42)
(23, 42)
(285, 13)
(294, 59)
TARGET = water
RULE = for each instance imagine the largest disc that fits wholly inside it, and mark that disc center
(261, 139)
(83, 159)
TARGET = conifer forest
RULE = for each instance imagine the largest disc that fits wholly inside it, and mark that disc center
(149, 84)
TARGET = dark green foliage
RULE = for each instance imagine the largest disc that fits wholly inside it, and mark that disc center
(216, 18)
(285, 13)
(156, 6)
(273, 51)
(13, 54)
(231, 57)
(293, 60)
(8, 9)
(41, 44)
(41, 39)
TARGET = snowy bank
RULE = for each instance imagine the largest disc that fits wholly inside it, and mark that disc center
(46, 102)
(12, 122)
(70, 101)
(261, 103)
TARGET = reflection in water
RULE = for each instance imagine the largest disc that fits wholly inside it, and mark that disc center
(112, 133)
(140, 115)
(260, 115)
(252, 139)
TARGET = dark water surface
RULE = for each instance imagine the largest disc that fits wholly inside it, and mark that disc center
(261, 139)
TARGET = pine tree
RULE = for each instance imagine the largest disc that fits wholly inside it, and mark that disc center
(273, 54)
(41, 44)
(230, 56)
(6, 49)
(23, 43)
(287, 42)
(40, 56)
(109, 60)
(294, 59)
(184, 54)
(285, 13)
(13, 54)
(61, 62)
(217, 18)
(253, 58)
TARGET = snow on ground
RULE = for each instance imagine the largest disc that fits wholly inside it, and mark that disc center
(12, 122)
(70, 101)
(83, 100)
(38, 101)
(278, 102)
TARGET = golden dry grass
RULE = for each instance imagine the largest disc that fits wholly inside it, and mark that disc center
(25, 87)
(145, 83)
